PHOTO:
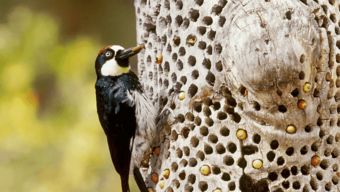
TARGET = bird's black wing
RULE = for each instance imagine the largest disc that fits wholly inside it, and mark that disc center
(116, 112)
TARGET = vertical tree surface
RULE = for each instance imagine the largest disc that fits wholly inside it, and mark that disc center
(253, 90)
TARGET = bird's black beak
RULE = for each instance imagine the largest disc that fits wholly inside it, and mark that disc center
(126, 53)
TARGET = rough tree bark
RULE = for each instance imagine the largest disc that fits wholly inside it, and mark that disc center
(253, 88)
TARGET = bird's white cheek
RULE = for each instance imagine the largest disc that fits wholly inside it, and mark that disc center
(111, 68)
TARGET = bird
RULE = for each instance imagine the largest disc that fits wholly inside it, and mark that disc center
(126, 114)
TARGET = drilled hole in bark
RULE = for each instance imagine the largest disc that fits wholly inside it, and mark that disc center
(203, 185)
(192, 90)
(197, 121)
(232, 186)
(174, 77)
(207, 20)
(220, 149)
(285, 173)
(183, 163)
(179, 65)
(206, 63)
(178, 20)
(270, 156)
(206, 111)
(294, 170)
(296, 185)
(192, 178)
(231, 147)
(194, 14)
(225, 177)
(280, 160)
(174, 135)
(199, 2)
(185, 132)
(192, 162)
(194, 141)
(295, 92)
(208, 149)
(285, 184)
(209, 121)
(181, 51)
(179, 153)
(216, 105)
(216, 170)
(288, 15)
(256, 138)
(290, 151)
(218, 48)
(211, 34)
(221, 115)
(301, 75)
(221, 21)
(191, 60)
(274, 144)
(216, 9)
(201, 30)
(224, 131)
(209, 50)
(335, 153)
(228, 160)
(182, 175)
(194, 74)
(174, 166)
(204, 131)
(200, 155)
(308, 128)
(197, 106)
(219, 66)
(319, 176)
(213, 138)
(304, 150)
(324, 164)
(313, 183)
(272, 176)
(305, 169)
(333, 18)
(202, 45)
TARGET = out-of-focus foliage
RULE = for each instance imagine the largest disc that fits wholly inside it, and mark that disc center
(50, 138)
(110, 21)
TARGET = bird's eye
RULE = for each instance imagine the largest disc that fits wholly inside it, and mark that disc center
(108, 54)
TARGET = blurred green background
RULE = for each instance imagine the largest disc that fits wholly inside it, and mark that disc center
(50, 137)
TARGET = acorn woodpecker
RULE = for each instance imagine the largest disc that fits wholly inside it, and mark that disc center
(125, 113)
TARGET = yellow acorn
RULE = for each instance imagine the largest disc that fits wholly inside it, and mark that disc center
(191, 40)
(161, 184)
(159, 59)
(257, 164)
(205, 170)
(291, 129)
(166, 173)
(181, 95)
(217, 190)
(307, 87)
(241, 134)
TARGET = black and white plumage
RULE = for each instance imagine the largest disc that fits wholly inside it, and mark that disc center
(125, 113)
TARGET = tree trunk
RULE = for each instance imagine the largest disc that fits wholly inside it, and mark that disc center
(253, 89)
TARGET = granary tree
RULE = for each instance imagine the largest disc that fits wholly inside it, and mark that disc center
(252, 93)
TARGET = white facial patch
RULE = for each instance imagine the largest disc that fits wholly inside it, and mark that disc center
(111, 67)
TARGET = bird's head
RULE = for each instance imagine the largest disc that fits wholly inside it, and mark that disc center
(114, 60)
